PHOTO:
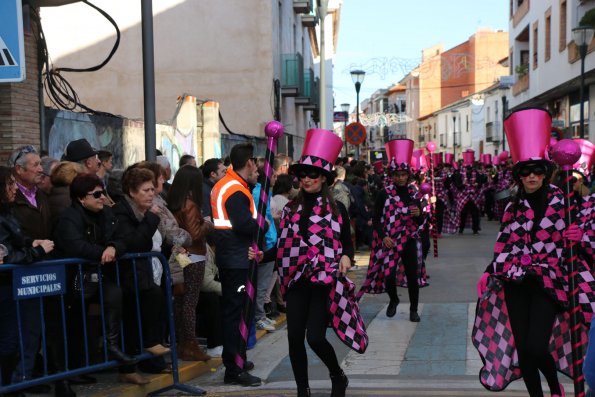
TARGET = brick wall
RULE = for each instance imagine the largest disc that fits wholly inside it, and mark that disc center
(19, 105)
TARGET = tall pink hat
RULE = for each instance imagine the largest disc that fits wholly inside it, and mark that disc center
(418, 160)
(496, 160)
(449, 158)
(398, 152)
(585, 163)
(468, 157)
(528, 133)
(486, 159)
(378, 166)
(437, 159)
(321, 149)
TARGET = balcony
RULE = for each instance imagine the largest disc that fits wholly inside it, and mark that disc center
(491, 134)
(521, 85)
(309, 20)
(306, 97)
(573, 52)
(520, 12)
(315, 97)
(292, 75)
(302, 6)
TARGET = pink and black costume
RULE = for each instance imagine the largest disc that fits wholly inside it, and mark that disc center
(522, 322)
(402, 264)
(314, 235)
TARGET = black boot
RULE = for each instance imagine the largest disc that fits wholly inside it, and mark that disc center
(303, 392)
(62, 389)
(112, 331)
(340, 383)
(414, 317)
(391, 309)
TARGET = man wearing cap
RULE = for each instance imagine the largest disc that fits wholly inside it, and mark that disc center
(395, 258)
(80, 151)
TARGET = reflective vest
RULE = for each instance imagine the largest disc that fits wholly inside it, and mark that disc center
(231, 183)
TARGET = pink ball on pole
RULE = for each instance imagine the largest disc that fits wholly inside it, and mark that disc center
(274, 129)
(503, 155)
(566, 152)
(425, 188)
(431, 147)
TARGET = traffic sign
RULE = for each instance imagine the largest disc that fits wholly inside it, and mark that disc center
(12, 48)
(355, 133)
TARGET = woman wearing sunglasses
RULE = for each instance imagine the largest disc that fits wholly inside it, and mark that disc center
(314, 252)
(523, 295)
(86, 230)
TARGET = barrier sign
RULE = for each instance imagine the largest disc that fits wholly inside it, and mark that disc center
(12, 48)
(355, 133)
(38, 281)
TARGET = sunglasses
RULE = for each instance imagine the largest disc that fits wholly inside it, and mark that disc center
(309, 174)
(97, 194)
(254, 160)
(526, 171)
(24, 150)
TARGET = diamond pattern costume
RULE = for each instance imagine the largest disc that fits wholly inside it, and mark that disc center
(516, 256)
(317, 260)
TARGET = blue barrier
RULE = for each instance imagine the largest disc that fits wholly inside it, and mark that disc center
(49, 278)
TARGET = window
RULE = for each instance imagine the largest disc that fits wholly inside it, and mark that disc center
(548, 35)
(535, 44)
(562, 43)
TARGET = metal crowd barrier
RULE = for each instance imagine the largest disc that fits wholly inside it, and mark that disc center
(49, 278)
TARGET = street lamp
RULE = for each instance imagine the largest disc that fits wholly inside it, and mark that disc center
(454, 134)
(504, 107)
(345, 109)
(357, 76)
(582, 38)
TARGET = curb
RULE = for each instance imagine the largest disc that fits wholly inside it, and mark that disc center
(188, 370)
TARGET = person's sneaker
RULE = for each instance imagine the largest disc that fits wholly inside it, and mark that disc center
(270, 321)
(244, 378)
(354, 268)
(215, 351)
(261, 324)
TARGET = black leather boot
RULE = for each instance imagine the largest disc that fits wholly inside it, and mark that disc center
(391, 309)
(112, 330)
(340, 383)
(303, 392)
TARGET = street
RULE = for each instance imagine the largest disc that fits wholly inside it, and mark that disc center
(434, 357)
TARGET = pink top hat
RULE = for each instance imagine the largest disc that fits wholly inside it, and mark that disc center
(449, 158)
(528, 133)
(378, 166)
(437, 158)
(418, 160)
(468, 157)
(321, 149)
(486, 159)
(587, 159)
(399, 151)
(496, 160)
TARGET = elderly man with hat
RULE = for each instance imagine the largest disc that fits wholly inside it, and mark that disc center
(314, 252)
(522, 324)
(80, 151)
(396, 246)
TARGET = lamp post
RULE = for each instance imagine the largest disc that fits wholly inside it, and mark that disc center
(582, 38)
(357, 76)
(345, 109)
(322, 13)
(454, 134)
(504, 106)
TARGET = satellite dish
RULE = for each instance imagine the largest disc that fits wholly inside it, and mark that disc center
(50, 3)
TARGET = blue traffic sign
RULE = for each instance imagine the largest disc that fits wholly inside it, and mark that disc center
(12, 48)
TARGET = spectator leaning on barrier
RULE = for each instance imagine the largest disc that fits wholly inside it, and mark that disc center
(137, 223)
(86, 230)
(20, 248)
(234, 218)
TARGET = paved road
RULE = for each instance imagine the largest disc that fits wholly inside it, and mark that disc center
(432, 358)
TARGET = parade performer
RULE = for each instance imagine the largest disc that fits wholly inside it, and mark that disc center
(503, 182)
(469, 192)
(396, 246)
(522, 320)
(314, 252)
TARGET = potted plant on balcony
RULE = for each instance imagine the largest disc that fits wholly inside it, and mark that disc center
(522, 69)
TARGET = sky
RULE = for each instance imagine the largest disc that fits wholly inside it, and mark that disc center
(386, 37)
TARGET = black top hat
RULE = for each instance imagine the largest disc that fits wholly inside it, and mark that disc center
(79, 150)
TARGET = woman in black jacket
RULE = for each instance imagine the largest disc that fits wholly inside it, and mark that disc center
(86, 230)
(19, 249)
(137, 224)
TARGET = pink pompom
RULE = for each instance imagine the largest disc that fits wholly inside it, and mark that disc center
(503, 156)
(425, 188)
(566, 152)
(431, 147)
(274, 129)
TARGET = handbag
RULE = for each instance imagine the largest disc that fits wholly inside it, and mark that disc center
(90, 283)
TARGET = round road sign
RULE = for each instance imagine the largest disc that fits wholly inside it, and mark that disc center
(355, 133)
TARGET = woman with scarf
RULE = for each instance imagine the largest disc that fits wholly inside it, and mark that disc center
(522, 319)
(396, 257)
(314, 252)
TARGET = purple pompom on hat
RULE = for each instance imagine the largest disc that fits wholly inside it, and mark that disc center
(321, 149)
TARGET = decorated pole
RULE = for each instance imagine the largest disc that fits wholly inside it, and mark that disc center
(431, 147)
(273, 131)
(567, 152)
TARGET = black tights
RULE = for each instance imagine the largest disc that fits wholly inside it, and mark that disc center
(307, 310)
(409, 256)
(532, 314)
